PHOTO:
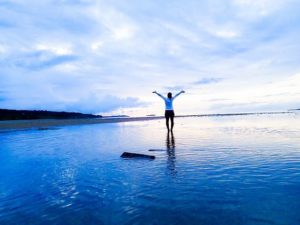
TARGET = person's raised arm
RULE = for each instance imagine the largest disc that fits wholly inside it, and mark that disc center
(179, 93)
(155, 92)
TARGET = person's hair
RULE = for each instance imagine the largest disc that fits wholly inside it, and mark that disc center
(169, 95)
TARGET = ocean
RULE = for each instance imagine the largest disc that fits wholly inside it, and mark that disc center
(242, 169)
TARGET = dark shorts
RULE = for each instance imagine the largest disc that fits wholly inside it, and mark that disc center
(169, 114)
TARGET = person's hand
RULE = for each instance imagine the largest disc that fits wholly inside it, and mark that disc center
(182, 91)
(154, 92)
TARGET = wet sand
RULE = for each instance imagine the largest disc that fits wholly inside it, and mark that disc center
(48, 123)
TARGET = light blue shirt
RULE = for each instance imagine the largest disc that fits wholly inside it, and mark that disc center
(168, 101)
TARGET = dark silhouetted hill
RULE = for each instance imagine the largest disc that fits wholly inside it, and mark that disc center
(7, 114)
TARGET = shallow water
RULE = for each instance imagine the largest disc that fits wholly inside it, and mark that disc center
(214, 170)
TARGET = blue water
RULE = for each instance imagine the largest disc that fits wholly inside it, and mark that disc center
(214, 170)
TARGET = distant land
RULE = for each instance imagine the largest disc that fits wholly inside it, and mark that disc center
(8, 114)
(116, 116)
(150, 115)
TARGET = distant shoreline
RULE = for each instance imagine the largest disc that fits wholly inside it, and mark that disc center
(48, 123)
(13, 114)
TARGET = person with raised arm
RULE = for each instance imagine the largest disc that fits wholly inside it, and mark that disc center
(169, 112)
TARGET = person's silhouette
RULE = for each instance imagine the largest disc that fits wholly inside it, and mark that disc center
(169, 112)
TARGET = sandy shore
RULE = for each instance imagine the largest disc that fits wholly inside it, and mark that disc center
(47, 123)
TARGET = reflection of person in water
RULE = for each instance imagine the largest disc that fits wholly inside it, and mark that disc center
(170, 143)
(169, 113)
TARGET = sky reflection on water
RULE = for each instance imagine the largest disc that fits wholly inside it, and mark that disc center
(212, 170)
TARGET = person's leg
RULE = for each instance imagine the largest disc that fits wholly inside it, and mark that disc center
(167, 119)
(172, 122)
(167, 123)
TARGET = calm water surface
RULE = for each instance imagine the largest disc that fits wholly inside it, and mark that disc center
(213, 170)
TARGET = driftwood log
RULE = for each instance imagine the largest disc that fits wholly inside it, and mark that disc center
(136, 155)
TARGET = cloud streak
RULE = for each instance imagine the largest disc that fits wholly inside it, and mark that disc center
(208, 80)
(104, 104)
(42, 60)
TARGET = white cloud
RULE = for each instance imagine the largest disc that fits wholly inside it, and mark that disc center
(254, 9)
(97, 45)
(123, 32)
(55, 48)
(2, 49)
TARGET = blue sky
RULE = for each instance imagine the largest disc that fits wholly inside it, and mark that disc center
(108, 56)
